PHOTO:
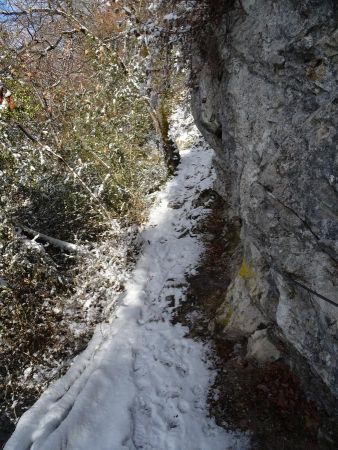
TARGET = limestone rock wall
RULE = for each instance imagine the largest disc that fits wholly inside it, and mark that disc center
(265, 78)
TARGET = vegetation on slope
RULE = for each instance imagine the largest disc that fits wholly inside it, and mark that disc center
(86, 91)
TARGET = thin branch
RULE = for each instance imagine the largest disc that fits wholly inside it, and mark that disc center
(62, 245)
(28, 12)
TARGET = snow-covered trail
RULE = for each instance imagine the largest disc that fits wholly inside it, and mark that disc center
(141, 384)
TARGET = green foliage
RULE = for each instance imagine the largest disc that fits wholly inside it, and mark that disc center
(79, 150)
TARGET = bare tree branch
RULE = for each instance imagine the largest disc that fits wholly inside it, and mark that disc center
(62, 245)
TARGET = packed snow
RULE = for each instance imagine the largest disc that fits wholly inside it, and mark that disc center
(141, 383)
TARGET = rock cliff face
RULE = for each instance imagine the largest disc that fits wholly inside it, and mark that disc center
(265, 77)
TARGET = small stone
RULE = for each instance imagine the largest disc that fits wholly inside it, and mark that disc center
(237, 348)
(170, 299)
(261, 348)
(263, 388)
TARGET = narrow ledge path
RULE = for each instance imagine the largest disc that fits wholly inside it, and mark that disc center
(141, 383)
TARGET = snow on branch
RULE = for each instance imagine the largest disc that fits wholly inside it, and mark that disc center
(62, 245)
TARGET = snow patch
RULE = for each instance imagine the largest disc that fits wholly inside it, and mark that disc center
(141, 384)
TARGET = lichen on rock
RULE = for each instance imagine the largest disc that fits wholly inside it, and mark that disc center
(265, 97)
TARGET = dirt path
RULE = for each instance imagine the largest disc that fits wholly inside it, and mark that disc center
(266, 400)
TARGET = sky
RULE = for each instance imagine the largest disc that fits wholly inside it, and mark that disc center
(3, 4)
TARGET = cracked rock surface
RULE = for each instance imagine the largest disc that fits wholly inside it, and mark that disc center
(265, 97)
